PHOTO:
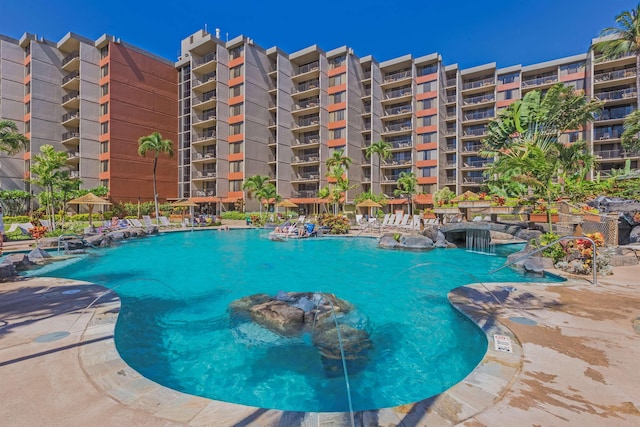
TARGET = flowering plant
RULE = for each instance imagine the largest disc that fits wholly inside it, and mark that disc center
(38, 232)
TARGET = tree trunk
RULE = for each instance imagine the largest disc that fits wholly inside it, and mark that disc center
(155, 191)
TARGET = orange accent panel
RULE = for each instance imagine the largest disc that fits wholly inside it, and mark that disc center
(235, 195)
(26, 79)
(423, 199)
(428, 78)
(236, 100)
(338, 70)
(235, 176)
(236, 138)
(507, 86)
(104, 175)
(27, 117)
(103, 138)
(306, 200)
(426, 95)
(26, 98)
(573, 76)
(504, 102)
(427, 112)
(236, 62)
(336, 89)
(340, 142)
(236, 119)
(104, 156)
(103, 80)
(27, 59)
(204, 199)
(427, 180)
(26, 155)
(426, 163)
(103, 99)
(104, 61)
(427, 146)
(337, 125)
(426, 129)
(332, 179)
(336, 107)
(236, 81)
(27, 175)
(234, 157)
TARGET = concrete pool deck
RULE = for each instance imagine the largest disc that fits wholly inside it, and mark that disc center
(578, 363)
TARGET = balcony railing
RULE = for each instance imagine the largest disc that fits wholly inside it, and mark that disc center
(71, 115)
(614, 75)
(205, 78)
(450, 132)
(602, 58)
(70, 77)
(451, 82)
(205, 173)
(397, 93)
(70, 57)
(309, 176)
(205, 193)
(206, 135)
(304, 193)
(489, 97)
(69, 135)
(397, 162)
(473, 179)
(401, 109)
(472, 148)
(306, 122)
(611, 133)
(397, 127)
(302, 87)
(405, 143)
(477, 164)
(478, 83)
(366, 75)
(539, 81)
(450, 147)
(70, 96)
(475, 132)
(209, 154)
(72, 154)
(204, 117)
(616, 114)
(480, 115)
(400, 75)
(616, 94)
(610, 154)
(307, 103)
(451, 98)
(314, 139)
(207, 58)
(305, 159)
(312, 66)
(74, 174)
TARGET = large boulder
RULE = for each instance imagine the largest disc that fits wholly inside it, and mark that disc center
(243, 305)
(417, 242)
(528, 234)
(634, 235)
(38, 255)
(278, 316)
(412, 242)
(388, 241)
(7, 269)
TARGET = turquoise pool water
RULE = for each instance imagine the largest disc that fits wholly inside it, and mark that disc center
(175, 327)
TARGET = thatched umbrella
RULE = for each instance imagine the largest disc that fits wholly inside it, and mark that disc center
(286, 203)
(369, 204)
(90, 200)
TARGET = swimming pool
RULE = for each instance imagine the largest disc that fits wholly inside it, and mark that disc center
(175, 327)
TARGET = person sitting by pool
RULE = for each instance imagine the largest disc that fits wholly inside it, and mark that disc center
(284, 228)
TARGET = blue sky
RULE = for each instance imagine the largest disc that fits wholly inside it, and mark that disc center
(466, 32)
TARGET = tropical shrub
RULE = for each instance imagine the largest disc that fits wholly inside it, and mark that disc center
(337, 224)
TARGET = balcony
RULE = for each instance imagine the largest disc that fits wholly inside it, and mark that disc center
(477, 164)
(205, 119)
(307, 68)
(205, 83)
(614, 75)
(608, 133)
(206, 193)
(205, 101)
(309, 158)
(306, 87)
(450, 82)
(474, 100)
(208, 136)
(473, 180)
(601, 58)
(616, 94)
(205, 174)
(71, 138)
(450, 147)
(71, 62)
(397, 127)
(366, 93)
(478, 83)
(451, 99)
(71, 100)
(366, 75)
(71, 81)
(400, 144)
(206, 64)
(74, 174)
(484, 115)
(73, 157)
(539, 81)
(397, 93)
(397, 162)
(311, 121)
(205, 156)
(451, 132)
(304, 193)
(401, 109)
(471, 148)
(302, 177)
(71, 119)
(397, 76)
(306, 103)
(610, 154)
(306, 141)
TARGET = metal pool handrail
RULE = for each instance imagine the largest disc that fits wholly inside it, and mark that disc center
(593, 255)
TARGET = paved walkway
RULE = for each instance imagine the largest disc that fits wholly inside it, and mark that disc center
(576, 363)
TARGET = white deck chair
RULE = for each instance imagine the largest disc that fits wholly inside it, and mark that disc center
(301, 219)
(359, 221)
(385, 220)
(135, 222)
(405, 221)
(164, 221)
(147, 220)
(45, 223)
(415, 223)
(397, 221)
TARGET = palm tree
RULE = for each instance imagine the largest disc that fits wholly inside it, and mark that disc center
(155, 143)
(256, 185)
(46, 169)
(338, 159)
(383, 149)
(270, 192)
(629, 137)
(407, 185)
(11, 141)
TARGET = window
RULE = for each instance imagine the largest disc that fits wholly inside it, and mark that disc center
(337, 80)
(104, 70)
(104, 89)
(509, 94)
(27, 126)
(429, 155)
(104, 147)
(576, 84)
(27, 69)
(234, 110)
(428, 87)
(337, 133)
(236, 52)
(576, 67)
(337, 97)
(104, 128)
(508, 78)
(426, 138)
(235, 148)
(27, 107)
(104, 52)
(235, 185)
(337, 61)
(235, 91)
(425, 104)
(104, 108)
(427, 69)
(431, 171)
(427, 121)
(104, 183)
(235, 129)
(235, 71)
(185, 73)
(336, 115)
(104, 166)
(235, 166)
(27, 88)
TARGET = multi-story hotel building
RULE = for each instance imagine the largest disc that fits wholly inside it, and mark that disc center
(93, 100)
(243, 110)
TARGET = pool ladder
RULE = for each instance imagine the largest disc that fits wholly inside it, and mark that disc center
(525, 256)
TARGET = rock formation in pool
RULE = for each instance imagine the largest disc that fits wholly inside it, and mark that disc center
(292, 314)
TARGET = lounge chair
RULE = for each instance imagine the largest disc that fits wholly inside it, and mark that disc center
(147, 220)
(23, 227)
(414, 224)
(385, 220)
(397, 221)
(404, 222)
(135, 222)
(164, 221)
(301, 219)
(45, 223)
